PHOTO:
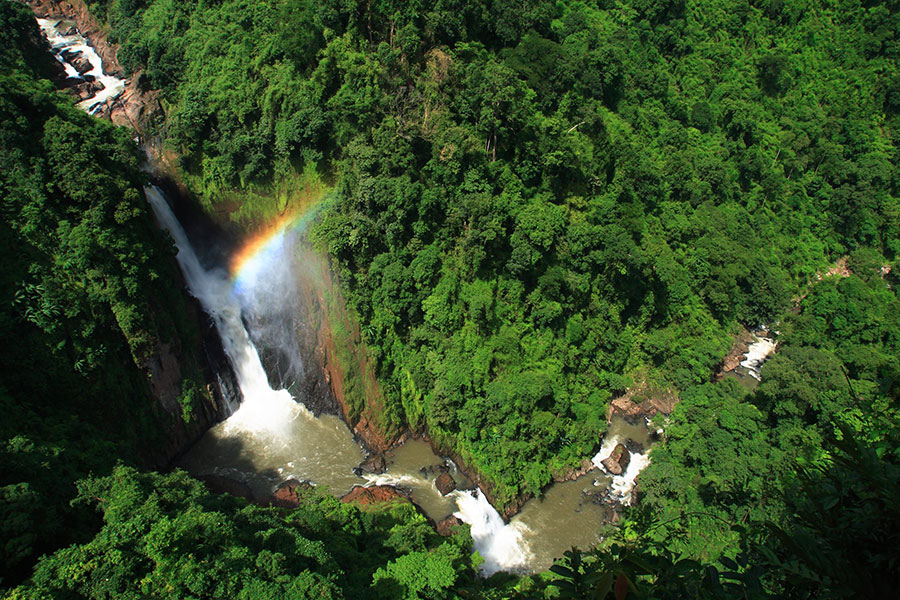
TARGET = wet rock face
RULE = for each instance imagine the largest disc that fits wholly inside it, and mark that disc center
(88, 89)
(288, 493)
(617, 462)
(445, 484)
(374, 465)
(82, 64)
(367, 496)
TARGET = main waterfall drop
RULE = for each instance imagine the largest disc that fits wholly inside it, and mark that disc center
(270, 436)
(263, 409)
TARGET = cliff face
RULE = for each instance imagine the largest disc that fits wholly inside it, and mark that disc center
(339, 354)
(167, 371)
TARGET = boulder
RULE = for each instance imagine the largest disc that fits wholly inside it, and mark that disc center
(288, 493)
(617, 461)
(71, 82)
(374, 465)
(446, 525)
(376, 494)
(88, 89)
(731, 363)
(445, 483)
(82, 64)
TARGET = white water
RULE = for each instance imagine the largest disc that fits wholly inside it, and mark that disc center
(501, 545)
(757, 354)
(263, 409)
(398, 480)
(112, 86)
(622, 485)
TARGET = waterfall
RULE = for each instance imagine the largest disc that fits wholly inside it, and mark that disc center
(501, 545)
(263, 408)
(269, 436)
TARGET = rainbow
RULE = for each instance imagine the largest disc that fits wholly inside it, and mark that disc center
(265, 245)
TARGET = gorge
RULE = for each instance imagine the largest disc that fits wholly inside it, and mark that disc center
(271, 437)
(354, 300)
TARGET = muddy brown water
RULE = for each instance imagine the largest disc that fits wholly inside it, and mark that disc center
(323, 451)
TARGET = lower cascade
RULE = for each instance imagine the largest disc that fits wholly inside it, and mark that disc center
(623, 482)
(501, 545)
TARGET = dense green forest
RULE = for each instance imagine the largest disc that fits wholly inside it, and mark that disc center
(535, 207)
(539, 205)
(87, 292)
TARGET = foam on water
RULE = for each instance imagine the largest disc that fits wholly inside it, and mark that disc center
(77, 44)
(757, 354)
(502, 546)
(622, 485)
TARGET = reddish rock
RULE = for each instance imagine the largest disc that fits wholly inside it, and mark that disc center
(288, 493)
(376, 494)
(445, 484)
(446, 525)
(617, 461)
(734, 357)
(641, 401)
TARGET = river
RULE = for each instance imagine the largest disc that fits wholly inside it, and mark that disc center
(271, 436)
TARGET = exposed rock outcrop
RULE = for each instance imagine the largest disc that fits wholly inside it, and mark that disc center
(734, 357)
(288, 493)
(642, 401)
(374, 465)
(376, 494)
(446, 525)
(445, 483)
(634, 447)
(618, 460)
